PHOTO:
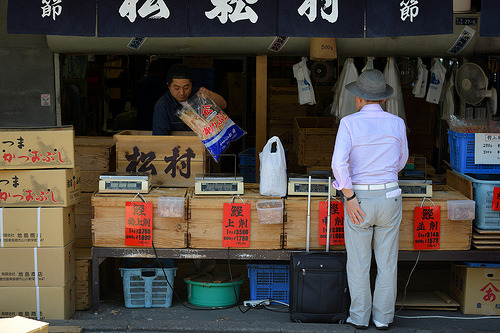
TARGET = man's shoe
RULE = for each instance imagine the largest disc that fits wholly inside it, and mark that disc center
(380, 326)
(359, 327)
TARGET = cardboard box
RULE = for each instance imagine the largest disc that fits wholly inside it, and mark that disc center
(477, 289)
(37, 227)
(172, 160)
(19, 324)
(55, 303)
(54, 266)
(37, 148)
(39, 188)
(322, 48)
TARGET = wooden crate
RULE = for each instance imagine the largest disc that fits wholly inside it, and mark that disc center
(295, 236)
(163, 156)
(108, 219)
(314, 139)
(83, 292)
(95, 153)
(455, 235)
(205, 221)
(83, 217)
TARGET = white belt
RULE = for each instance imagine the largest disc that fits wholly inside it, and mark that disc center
(375, 186)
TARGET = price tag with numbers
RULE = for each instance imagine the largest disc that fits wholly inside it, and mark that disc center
(138, 223)
(336, 222)
(427, 228)
(236, 225)
(487, 148)
(496, 199)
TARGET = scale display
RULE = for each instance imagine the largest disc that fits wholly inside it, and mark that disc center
(300, 186)
(115, 182)
(215, 185)
(416, 188)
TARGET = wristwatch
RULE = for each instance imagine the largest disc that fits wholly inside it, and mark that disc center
(350, 198)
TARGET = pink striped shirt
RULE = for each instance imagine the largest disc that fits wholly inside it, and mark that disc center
(370, 148)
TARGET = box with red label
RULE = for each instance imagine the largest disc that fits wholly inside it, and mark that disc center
(37, 148)
(477, 287)
(37, 227)
(39, 188)
(50, 266)
(43, 303)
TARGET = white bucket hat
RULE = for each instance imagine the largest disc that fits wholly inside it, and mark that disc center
(371, 86)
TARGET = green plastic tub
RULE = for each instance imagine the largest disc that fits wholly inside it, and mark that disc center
(206, 293)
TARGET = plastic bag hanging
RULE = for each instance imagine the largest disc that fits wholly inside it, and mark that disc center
(302, 74)
(395, 103)
(369, 64)
(273, 179)
(420, 85)
(438, 76)
(215, 129)
(344, 103)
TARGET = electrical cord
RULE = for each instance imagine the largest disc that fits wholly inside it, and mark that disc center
(408, 282)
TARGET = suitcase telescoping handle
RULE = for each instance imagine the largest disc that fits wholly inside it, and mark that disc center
(308, 233)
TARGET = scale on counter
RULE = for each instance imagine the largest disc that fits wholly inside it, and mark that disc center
(125, 182)
(299, 184)
(219, 184)
(417, 188)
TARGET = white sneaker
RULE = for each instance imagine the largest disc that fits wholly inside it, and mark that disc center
(380, 326)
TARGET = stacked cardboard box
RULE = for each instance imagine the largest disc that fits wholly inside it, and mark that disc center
(94, 155)
(39, 186)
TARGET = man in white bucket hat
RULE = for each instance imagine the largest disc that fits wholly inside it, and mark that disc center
(370, 149)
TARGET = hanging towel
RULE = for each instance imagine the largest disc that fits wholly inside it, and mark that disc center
(343, 101)
(395, 103)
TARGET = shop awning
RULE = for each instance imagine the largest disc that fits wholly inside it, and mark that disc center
(239, 18)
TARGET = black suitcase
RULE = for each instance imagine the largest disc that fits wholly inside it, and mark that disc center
(318, 281)
(318, 285)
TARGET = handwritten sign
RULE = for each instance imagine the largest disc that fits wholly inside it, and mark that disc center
(487, 148)
(138, 223)
(336, 222)
(427, 228)
(495, 205)
(236, 225)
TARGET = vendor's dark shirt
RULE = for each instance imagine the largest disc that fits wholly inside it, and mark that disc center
(164, 118)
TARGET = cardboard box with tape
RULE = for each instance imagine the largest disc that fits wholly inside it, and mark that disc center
(24, 325)
(25, 267)
(37, 227)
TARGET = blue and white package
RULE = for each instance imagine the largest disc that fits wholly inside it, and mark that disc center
(215, 129)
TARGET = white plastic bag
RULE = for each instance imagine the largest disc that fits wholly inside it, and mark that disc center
(273, 180)
(438, 75)
(343, 102)
(421, 83)
(302, 74)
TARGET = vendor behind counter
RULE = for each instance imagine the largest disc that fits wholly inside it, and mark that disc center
(180, 89)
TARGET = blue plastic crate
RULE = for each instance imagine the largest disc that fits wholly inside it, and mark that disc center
(147, 288)
(269, 282)
(484, 185)
(247, 157)
(248, 173)
(462, 155)
(482, 264)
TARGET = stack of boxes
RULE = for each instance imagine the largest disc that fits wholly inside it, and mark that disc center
(477, 285)
(94, 155)
(39, 186)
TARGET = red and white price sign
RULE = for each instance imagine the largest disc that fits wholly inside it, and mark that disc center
(336, 222)
(495, 205)
(427, 228)
(236, 225)
(138, 223)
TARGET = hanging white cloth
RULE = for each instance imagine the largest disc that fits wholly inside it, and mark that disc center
(343, 101)
(449, 98)
(302, 74)
(395, 103)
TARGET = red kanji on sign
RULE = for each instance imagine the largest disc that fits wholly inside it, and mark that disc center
(236, 225)
(138, 223)
(427, 228)
(336, 222)
(495, 205)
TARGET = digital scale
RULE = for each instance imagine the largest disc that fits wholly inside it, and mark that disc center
(299, 185)
(412, 188)
(218, 184)
(125, 182)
